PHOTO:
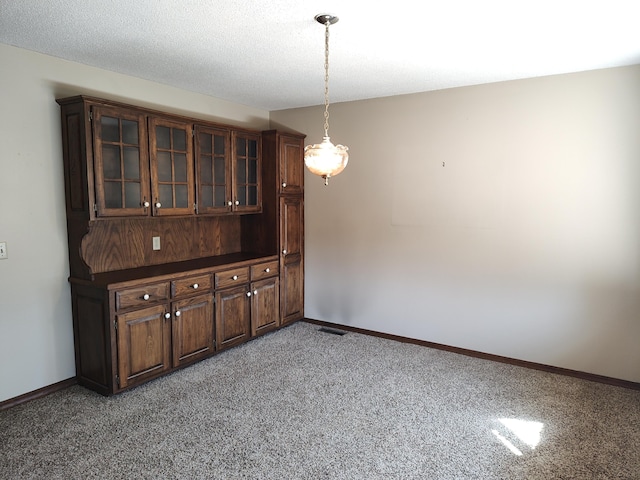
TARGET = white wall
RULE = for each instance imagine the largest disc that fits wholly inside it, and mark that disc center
(501, 218)
(36, 338)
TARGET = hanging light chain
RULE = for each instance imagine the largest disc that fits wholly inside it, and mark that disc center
(326, 159)
(326, 79)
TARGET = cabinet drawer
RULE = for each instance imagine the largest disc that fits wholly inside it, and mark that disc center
(264, 270)
(235, 276)
(187, 286)
(140, 296)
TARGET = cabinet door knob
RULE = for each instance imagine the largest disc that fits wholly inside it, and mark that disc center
(178, 313)
(284, 184)
(235, 277)
(146, 296)
(267, 270)
(284, 252)
(195, 286)
(255, 292)
(158, 204)
(167, 315)
(229, 203)
(145, 204)
(248, 294)
(237, 202)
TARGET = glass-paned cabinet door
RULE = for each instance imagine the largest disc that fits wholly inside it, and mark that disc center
(121, 167)
(213, 170)
(246, 172)
(171, 158)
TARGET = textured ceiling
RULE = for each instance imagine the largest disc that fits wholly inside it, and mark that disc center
(270, 54)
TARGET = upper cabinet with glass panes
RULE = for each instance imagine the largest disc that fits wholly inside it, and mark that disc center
(146, 163)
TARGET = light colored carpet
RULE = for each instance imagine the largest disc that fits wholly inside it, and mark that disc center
(302, 404)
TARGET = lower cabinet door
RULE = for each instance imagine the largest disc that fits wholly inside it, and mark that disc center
(265, 305)
(233, 310)
(144, 344)
(292, 290)
(192, 330)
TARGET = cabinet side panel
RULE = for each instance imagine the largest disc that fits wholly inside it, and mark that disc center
(77, 193)
(90, 319)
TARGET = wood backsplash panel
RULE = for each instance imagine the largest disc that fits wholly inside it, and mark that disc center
(176, 240)
(119, 244)
(222, 237)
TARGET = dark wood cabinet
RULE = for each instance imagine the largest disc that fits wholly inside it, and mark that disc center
(132, 326)
(284, 216)
(186, 237)
(247, 309)
(140, 162)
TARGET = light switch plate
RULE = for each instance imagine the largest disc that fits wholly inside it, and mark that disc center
(3, 250)
(156, 243)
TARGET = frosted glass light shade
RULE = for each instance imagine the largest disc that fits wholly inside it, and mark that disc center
(326, 159)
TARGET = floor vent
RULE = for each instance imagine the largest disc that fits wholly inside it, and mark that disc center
(331, 330)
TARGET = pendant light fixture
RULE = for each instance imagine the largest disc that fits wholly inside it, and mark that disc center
(326, 159)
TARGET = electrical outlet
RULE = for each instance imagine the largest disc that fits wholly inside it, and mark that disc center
(156, 243)
(3, 250)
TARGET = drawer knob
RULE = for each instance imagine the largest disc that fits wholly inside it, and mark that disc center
(195, 286)
(248, 294)
(284, 184)
(178, 313)
(235, 277)
(284, 252)
(146, 296)
(255, 292)
(145, 204)
(158, 204)
(267, 270)
(167, 315)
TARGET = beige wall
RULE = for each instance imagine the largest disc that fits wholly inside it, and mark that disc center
(524, 244)
(502, 218)
(36, 339)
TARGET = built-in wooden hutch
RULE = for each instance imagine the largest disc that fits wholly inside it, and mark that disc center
(186, 237)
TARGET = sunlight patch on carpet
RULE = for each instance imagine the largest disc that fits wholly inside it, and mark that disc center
(528, 432)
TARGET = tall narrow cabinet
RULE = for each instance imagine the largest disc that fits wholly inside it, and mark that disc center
(284, 187)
